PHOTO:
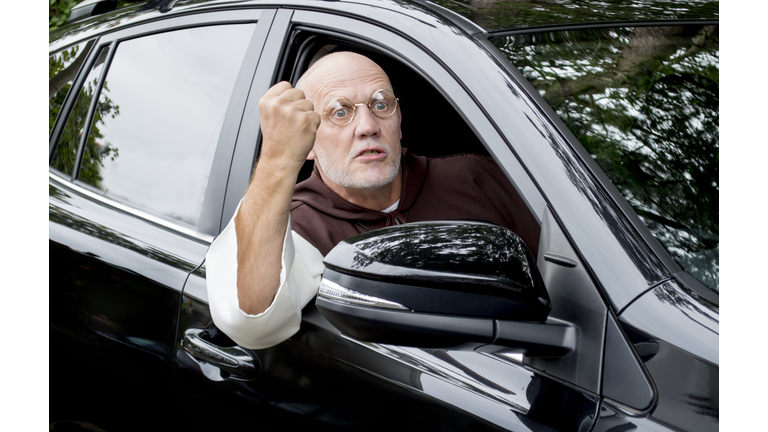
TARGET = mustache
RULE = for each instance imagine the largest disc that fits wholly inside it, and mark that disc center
(366, 144)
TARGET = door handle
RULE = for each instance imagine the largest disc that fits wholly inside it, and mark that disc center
(237, 361)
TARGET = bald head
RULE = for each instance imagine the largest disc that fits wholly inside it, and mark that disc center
(338, 69)
(359, 160)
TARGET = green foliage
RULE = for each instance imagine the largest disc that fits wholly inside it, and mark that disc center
(58, 12)
(66, 151)
(644, 102)
(96, 151)
(56, 64)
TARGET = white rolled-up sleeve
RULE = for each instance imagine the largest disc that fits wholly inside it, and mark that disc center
(302, 268)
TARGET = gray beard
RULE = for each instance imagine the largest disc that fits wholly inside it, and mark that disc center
(342, 177)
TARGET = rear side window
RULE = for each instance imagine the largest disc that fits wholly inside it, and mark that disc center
(158, 117)
(66, 150)
(62, 69)
(644, 102)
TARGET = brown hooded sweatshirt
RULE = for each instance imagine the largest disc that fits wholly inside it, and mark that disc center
(456, 187)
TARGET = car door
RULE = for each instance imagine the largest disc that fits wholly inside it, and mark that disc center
(136, 185)
(321, 378)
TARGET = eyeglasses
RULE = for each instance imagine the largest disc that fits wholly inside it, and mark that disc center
(340, 111)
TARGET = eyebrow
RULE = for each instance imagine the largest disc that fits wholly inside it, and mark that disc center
(330, 98)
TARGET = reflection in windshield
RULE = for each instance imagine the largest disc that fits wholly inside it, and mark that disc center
(644, 102)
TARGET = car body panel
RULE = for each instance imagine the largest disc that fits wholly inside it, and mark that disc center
(108, 259)
(679, 316)
(531, 16)
(115, 287)
(317, 376)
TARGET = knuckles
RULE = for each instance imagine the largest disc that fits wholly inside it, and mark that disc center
(286, 114)
(288, 117)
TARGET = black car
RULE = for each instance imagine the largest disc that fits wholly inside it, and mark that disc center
(603, 115)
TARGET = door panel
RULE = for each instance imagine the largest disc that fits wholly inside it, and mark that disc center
(322, 379)
(113, 306)
(120, 247)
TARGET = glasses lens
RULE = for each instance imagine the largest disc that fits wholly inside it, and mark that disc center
(383, 103)
(340, 111)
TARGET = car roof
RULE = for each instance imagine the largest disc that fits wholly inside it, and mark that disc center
(489, 16)
(504, 15)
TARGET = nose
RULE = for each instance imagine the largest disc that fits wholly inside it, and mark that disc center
(366, 124)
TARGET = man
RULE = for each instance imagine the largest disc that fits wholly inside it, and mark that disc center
(266, 265)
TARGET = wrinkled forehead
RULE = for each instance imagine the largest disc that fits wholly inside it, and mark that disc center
(343, 75)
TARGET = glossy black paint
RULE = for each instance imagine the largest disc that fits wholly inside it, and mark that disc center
(104, 260)
(687, 388)
(456, 257)
(319, 379)
(503, 16)
(680, 350)
(684, 318)
(113, 309)
(467, 285)
(624, 378)
(462, 332)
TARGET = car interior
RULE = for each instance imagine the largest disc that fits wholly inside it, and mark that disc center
(423, 104)
(426, 112)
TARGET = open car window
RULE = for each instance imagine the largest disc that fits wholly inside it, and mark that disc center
(422, 105)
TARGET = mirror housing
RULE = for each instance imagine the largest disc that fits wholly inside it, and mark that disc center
(442, 284)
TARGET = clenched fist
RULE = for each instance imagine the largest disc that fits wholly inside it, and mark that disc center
(288, 125)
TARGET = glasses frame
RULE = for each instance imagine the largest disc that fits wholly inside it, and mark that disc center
(367, 104)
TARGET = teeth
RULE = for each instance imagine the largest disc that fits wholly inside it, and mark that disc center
(369, 152)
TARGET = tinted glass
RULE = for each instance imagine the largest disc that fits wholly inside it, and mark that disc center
(161, 111)
(644, 102)
(66, 148)
(62, 68)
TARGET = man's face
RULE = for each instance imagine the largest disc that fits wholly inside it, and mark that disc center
(365, 153)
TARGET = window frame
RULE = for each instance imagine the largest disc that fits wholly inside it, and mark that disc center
(407, 51)
(425, 62)
(71, 97)
(210, 217)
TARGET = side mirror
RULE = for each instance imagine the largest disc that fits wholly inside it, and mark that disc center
(444, 284)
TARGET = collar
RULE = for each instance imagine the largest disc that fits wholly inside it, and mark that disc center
(316, 194)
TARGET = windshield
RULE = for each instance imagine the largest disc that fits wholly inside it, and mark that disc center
(644, 102)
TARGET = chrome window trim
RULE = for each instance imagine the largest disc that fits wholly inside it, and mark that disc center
(195, 235)
(183, 22)
(148, 22)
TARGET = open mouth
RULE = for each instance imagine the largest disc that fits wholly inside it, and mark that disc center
(369, 152)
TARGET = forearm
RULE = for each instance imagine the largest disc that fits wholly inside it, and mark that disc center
(288, 125)
(302, 268)
(261, 225)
